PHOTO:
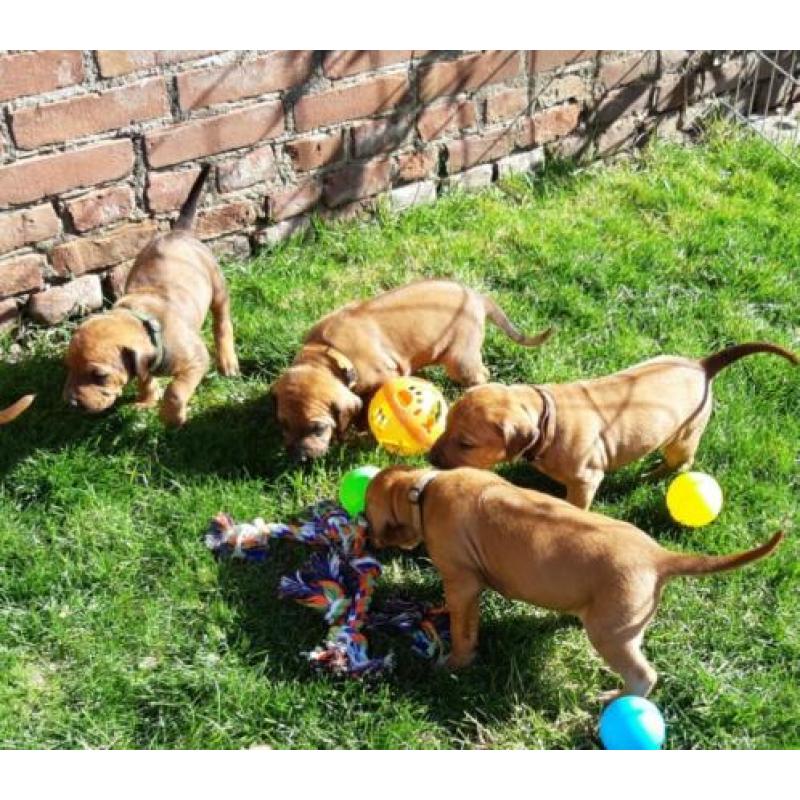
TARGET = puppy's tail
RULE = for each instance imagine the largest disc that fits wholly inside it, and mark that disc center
(675, 564)
(499, 318)
(185, 221)
(718, 361)
(15, 409)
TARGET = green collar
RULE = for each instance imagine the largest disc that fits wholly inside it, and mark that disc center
(154, 332)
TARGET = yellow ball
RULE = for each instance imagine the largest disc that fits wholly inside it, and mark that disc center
(407, 415)
(694, 499)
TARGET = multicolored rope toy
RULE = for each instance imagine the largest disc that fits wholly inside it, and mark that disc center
(337, 581)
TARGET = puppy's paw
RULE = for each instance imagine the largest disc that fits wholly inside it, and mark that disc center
(228, 365)
(454, 662)
(173, 415)
(612, 694)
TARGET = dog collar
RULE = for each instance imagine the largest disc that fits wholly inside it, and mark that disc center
(547, 427)
(349, 374)
(154, 332)
(415, 496)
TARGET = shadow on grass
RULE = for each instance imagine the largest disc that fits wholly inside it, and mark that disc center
(272, 634)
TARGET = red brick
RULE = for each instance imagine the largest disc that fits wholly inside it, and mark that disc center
(724, 78)
(620, 135)
(416, 166)
(224, 219)
(121, 62)
(167, 191)
(9, 314)
(506, 104)
(468, 73)
(34, 178)
(317, 151)
(101, 208)
(465, 153)
(446, 117)
(279, 69)
(379, 136)
(550, 124)
(362, 100)
(293, 200)
(543, 60)
(340, 63)
(356, 181)
(671, 92)
(631, 99)
(84, 255)
(76, 297)
(256, 167)
(205, 137)
(21, 274)
(673, 59)
(41, 71)
(621, 73)
(567, 87)
(26, 227)
(94, 113)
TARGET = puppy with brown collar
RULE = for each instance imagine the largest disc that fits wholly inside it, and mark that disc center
(348, 354)
(482, 532)
(576, 432)
(154, 329)
(15, 409)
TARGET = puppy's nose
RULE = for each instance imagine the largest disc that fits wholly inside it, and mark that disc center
(435, 459)
(73, 401)
(298, 454)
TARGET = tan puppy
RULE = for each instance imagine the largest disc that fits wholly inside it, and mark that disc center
(576, 432)
(154, 329)
(348, 354)
(15, 409)
(481, 531)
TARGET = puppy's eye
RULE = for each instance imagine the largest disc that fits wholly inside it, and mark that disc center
(464, 445)
(318, 429)
(100, 378)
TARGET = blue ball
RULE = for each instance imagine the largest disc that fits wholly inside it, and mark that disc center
(632, 723)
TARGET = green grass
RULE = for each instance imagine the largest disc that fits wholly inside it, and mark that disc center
(118, 629)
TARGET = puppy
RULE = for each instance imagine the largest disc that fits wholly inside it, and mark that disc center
(576, 432)
(15, 409)
(481, 531)
(348, 354)
(154, 329)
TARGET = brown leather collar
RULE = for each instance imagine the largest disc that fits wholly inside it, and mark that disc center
(415, 497)
(347, 370)
(546, 426)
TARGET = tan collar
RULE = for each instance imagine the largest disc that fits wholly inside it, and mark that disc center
(415, 497)
(347, 370)
(546, 426)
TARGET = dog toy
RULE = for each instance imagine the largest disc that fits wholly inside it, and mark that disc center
(338, 580)
(632, 723)
(407, 415)
(694, 499)
(353, 489)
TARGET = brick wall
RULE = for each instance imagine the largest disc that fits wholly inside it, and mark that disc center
(98, 148)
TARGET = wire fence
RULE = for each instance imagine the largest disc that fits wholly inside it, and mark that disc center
(767, 98)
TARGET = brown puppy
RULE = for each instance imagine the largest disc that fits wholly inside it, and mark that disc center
(481, 531)
(576, 432)
(15, 409)
(348, 354)
(154, 329)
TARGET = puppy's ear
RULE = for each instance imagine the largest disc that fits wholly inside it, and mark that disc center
(133, 363)
(518, 436)
(399, 536)
(345, 408)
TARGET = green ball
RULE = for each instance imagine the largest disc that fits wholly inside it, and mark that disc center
(353, 489)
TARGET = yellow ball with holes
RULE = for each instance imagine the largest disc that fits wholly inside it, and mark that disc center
(407, 415)
(694, 499)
